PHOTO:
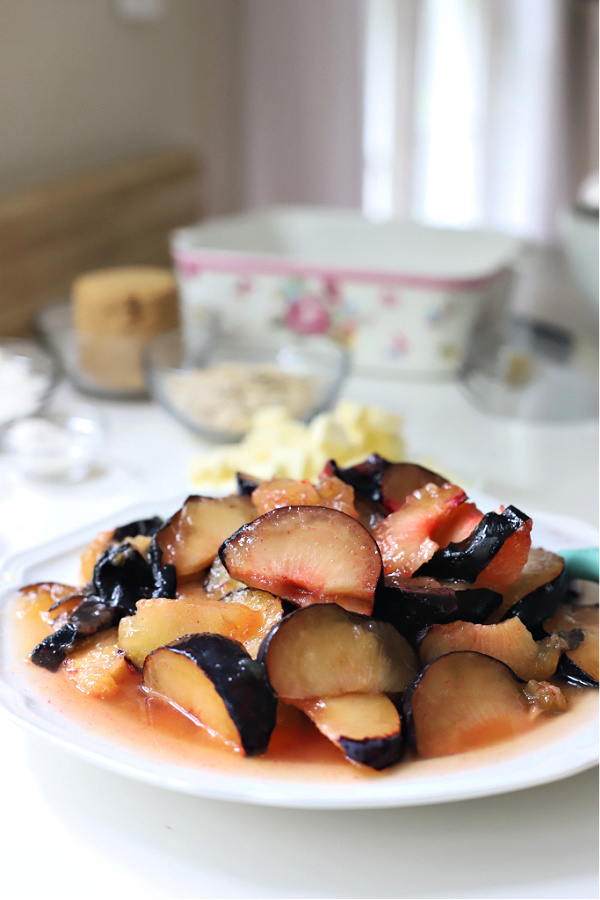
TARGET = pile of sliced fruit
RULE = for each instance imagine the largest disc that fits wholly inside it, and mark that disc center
(378, 600)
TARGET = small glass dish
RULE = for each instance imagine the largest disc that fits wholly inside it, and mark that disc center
(214, 384)
(53, 446)
(28, 375)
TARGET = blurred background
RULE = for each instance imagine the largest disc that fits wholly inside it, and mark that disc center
(122, 119)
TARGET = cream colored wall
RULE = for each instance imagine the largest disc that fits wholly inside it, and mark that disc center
(80, 87)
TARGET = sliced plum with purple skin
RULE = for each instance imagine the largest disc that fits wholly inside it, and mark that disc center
(508, 641)
(413, 604)
(214, 680)
(366, 727)
(192, 536)
(538, 591)
(579, 665)
(466, 700)
(306, 555)
(325, 651)
(385, 482)
(406, 538)
(493, 554)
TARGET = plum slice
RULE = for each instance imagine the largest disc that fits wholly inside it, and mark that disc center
(508, 641)
(580, 664)
(366, 727)
(325, 651)
(306, 554)
(494, 553)
(413, 604)
(405, 537)
(191, 538)
(215, 681)
(538, 591)
(160, 620)
(466, 700)
(383, 481)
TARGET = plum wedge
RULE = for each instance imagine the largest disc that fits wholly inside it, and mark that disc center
(538, 591)
(191, 538)
(306, 554)
(325, 651)
(493, 554)
(366, 727)
(214, 680)
(508, 641)
(466, 700)
(406, 537)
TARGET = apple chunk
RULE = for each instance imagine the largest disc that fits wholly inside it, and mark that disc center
(366, 727)
(215, 681)
(159, 621)
(325, 651)
(306, 554)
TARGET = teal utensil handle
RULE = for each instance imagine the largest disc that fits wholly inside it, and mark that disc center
(582, 563)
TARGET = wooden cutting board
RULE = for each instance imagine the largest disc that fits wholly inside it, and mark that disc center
(117, 215)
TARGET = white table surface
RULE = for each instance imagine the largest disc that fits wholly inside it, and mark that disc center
(69, 827)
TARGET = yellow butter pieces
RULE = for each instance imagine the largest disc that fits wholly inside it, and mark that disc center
(278, 446)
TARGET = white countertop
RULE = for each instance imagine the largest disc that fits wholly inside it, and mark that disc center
(70, 827)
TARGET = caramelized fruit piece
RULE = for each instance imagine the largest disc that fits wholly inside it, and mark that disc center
(508, 641)
(402, 479)
(471, 558)
(366, 727)
(413, 604)
(284, 492)
(458, 525)
(99, 667)
(266, 604)
(306, 554)
(193, 590)
(213, 679)
(405, 537)
(336, 494)
(537, 592)
(191, 538)
(91, 616)
(324, 651)
(160, 620)
(364, 477)
(219, 582)
(462, 701)
(580, 665)
(140, 528)
(34, 601)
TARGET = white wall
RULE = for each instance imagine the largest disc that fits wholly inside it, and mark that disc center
(80, 86)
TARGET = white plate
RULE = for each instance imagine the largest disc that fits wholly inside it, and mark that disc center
(560, 747)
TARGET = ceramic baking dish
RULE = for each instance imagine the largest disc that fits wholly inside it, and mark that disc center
(405, 298)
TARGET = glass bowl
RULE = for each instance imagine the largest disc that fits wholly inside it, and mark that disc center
(53, 446)
(214, 384)
(28, 376)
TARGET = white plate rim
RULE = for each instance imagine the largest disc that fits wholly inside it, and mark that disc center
(576, 753)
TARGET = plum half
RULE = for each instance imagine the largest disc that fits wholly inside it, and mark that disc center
(466, 700)
(214, 680)
(306, 555)
(325, 651)
(366, 727)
